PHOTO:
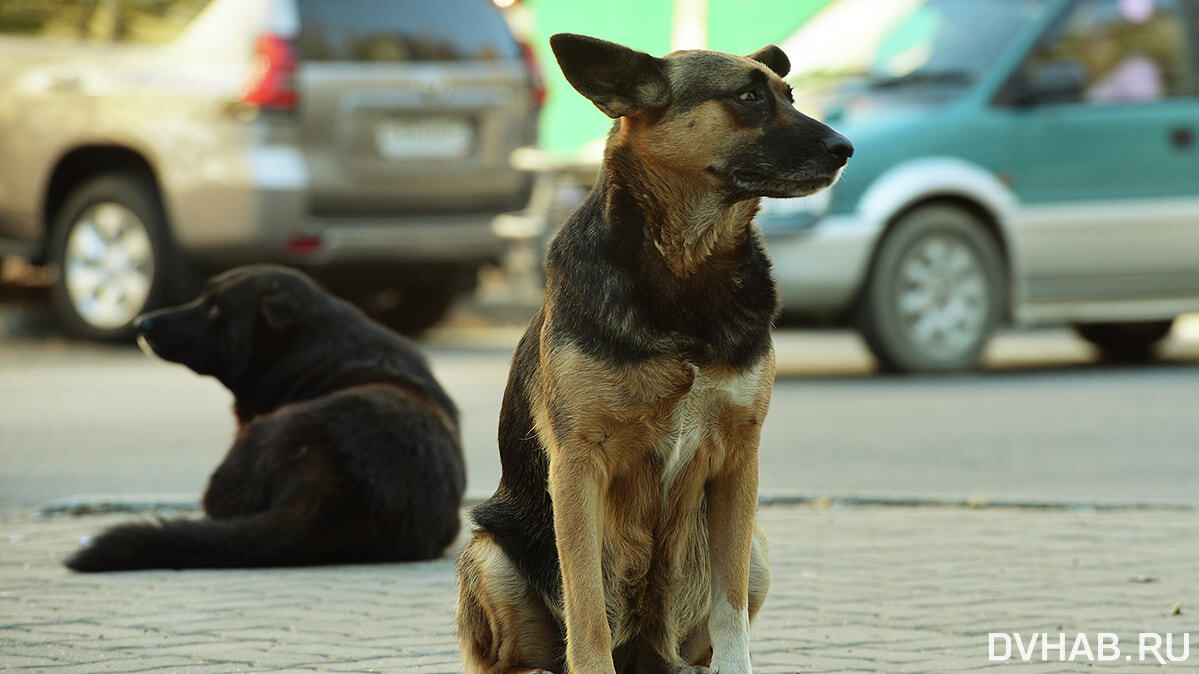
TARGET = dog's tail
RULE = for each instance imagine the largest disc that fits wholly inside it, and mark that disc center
(255, 541)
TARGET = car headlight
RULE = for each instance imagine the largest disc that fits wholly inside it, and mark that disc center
(789, 215)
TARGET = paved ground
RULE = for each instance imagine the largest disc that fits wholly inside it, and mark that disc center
(1044, 422)
(858, 588)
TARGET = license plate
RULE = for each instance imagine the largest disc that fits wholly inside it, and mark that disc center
(424, 138)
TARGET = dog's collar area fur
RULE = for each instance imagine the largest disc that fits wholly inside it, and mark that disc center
(698, 223)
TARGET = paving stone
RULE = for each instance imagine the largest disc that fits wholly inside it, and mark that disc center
(860, 588)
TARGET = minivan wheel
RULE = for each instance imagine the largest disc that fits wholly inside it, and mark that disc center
(1126, 342)
(108, 243)
(934, 294)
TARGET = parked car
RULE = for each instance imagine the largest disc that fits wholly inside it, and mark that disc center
(1024, 162)
(147, 143)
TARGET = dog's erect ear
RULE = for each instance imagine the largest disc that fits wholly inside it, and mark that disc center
(277, 309)
(772, 57)
(620, 81)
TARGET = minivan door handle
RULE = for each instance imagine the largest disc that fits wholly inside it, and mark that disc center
(1182, 137)
(76, 84)
(66, 84)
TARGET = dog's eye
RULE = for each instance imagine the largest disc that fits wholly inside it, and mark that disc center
(213, 311)
(749, 96)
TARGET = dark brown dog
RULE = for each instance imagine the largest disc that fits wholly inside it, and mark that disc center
(622, 535)
(347, 448)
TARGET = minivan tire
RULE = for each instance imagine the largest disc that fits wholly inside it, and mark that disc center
(109, 244)
(935, 292)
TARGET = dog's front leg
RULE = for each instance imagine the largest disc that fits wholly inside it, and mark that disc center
(577, 486)
(732, 502)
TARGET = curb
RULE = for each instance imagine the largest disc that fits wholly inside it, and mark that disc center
(164, 504)
(101, 504)
(976, 502)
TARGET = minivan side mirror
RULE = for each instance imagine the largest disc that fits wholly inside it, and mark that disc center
(1050, 83)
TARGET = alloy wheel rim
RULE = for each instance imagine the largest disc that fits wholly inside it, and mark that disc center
(108, 265)
(942, 297)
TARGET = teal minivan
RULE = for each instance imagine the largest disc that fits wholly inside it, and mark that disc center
(1018, 162)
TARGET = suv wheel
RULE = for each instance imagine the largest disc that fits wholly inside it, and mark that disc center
(413, 305)
(425, 307)
(109, 246)
(1125, 342)
(934, 294)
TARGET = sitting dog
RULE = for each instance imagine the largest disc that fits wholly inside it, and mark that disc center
(622, 534)
(347, 449)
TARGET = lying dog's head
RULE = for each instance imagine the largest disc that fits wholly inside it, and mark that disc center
(248, 313)
(724, 119)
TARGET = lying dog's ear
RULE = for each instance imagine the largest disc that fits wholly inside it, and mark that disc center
(620, 81)
(277, 309)
(772, 57)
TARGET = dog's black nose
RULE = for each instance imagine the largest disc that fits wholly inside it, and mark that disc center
(839, 146)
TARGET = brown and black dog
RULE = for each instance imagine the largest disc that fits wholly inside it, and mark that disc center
(347, 448)
(622, 534)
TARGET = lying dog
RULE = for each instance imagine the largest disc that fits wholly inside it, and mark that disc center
(622, 535)
(347, 449)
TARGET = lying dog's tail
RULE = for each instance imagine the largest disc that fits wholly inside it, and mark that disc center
(259, 540)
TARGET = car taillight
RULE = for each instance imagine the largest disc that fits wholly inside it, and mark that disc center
(272, 75)
(536, 80)
(304, 245)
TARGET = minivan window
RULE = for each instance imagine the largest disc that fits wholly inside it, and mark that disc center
(387, 30)
(1128, 50)
(55, 19)
(906, 42)
(949, 41)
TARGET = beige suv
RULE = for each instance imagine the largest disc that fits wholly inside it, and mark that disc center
(147, 143)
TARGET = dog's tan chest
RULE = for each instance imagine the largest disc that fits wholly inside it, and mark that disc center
(655, 531)
(697, 417)
(661, 415)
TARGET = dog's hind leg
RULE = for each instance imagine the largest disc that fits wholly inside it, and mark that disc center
(242, 484)
(759, 572)
(504, 627)
(697, 647)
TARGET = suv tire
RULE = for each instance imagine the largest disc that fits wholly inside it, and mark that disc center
(109, 245)
(410, 305)
(1125, 342)
(934, 294)
(419, 308)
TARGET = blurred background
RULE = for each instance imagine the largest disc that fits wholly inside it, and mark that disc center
(1022, 213)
